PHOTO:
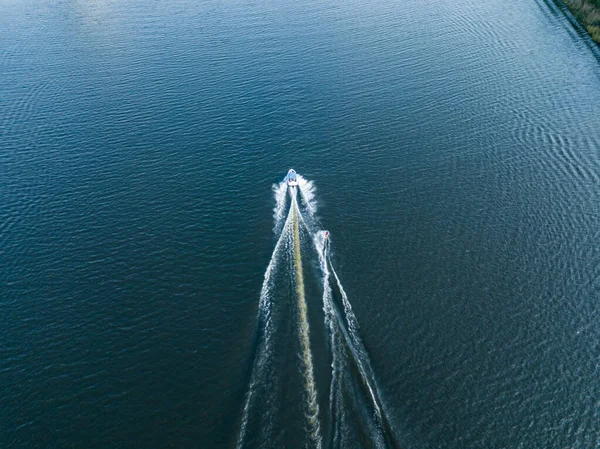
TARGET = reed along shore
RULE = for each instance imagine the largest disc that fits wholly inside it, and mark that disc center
(587, 12)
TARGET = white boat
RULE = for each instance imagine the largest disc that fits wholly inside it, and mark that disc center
(291, 178)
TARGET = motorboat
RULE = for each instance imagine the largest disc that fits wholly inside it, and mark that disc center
(292, 178)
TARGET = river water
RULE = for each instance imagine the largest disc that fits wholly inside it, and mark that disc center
(454, 152)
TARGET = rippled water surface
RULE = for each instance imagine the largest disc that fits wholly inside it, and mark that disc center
(455, 151)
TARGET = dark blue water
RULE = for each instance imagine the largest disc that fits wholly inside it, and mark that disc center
(455, 149)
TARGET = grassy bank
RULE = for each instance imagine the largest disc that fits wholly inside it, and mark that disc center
(588, 13)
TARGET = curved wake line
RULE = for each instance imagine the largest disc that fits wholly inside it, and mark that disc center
(355, 344)
(307, 192)
(264, 316)
(364, 365)
(280, 191)
(313, 406)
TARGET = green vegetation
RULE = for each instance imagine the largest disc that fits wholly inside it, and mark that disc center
(588, 13)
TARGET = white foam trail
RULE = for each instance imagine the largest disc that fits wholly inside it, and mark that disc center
(265, 305)
(307, 193)
(280, 191)
(320, 242)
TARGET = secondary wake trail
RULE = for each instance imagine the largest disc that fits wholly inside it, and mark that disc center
(335, 399)
(344, 332)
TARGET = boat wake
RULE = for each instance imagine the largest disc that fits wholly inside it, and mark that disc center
(291, 365)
